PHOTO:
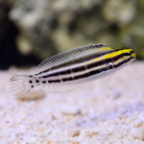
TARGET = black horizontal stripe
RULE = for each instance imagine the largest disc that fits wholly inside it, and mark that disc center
(94, 64)
(67, 79)
(121, 63)
(81, 76)
(91, 73)
(78, 69)
(89, 66)
(57, 73)
(54, 81)
(105, 61)
(99, 63)
(51, 75)
(114, 59)
(127, 54)
(64, 72)
(94, 72)
(79, 60)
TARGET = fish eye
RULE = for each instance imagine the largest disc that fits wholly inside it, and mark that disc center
(126, 54)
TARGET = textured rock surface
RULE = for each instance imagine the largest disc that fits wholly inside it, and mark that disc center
(51, 26)
(110, 110)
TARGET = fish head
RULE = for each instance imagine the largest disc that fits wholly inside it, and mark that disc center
(128, 54)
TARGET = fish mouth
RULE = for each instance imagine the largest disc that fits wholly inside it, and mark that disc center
(133, 55)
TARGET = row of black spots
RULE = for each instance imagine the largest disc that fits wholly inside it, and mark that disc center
(50, 81)
(78, 69)
(30, 81)
(44, 82)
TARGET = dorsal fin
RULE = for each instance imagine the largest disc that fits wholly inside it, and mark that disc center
(70, 55)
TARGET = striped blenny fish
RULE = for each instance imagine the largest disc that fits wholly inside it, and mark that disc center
(63, 72)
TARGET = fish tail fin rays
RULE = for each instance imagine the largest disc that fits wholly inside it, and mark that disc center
(20, 86)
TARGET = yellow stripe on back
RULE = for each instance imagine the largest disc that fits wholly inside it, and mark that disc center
(112, 54)
(117, 53)
(100, 58)
(95, 60)
(108, 56)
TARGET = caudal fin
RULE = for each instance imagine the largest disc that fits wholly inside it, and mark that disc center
(20, 86)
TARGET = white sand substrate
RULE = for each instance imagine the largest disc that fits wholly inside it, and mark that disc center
(106, 111)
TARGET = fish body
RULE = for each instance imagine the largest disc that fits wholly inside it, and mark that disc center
(65, 71)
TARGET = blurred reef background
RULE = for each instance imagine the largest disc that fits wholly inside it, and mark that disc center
(32, 30)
